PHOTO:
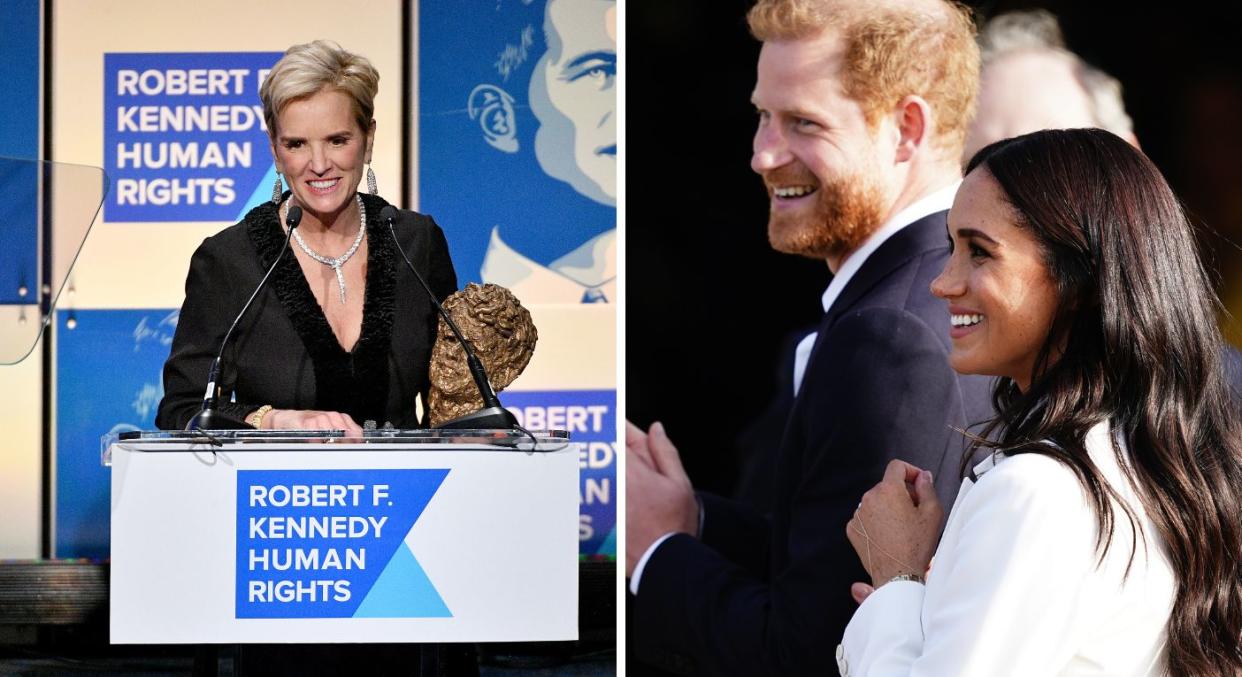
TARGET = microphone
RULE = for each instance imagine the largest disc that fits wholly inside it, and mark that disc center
(492, 415)
(208, 418)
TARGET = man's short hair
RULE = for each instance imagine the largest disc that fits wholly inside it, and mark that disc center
(1038, 30)
(892, 50)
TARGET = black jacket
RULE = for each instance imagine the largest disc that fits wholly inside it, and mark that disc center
(284, 353)
(762, 595)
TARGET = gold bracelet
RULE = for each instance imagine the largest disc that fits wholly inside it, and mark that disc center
(255, 419)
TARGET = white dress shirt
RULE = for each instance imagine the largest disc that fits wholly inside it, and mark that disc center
(1015, 589)
(931, 203)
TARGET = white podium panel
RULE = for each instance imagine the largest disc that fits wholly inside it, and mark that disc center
(283, 541)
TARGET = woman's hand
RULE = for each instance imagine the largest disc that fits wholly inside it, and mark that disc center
(895, 527)
(301, 419)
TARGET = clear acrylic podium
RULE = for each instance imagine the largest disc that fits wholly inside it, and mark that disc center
(310, 537)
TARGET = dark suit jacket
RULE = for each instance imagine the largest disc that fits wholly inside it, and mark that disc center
(760, 596)
(283, 352)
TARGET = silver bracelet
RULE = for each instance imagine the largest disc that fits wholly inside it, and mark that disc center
(916, 578)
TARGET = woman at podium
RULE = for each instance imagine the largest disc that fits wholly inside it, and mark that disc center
(342, 332)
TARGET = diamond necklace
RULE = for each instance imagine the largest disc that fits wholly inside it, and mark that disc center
(339, 261)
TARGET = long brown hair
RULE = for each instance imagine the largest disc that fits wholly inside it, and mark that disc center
(1139, 346)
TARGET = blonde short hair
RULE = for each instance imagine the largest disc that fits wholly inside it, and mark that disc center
(892, 50)
(307, 69)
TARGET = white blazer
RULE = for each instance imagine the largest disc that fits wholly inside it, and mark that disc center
(1015, 589)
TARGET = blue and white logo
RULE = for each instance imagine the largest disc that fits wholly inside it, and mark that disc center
(590, 416)
(331, 544)
(184, 136)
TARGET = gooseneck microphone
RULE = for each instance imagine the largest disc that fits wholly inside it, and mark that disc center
(208, 418)
(492, 415)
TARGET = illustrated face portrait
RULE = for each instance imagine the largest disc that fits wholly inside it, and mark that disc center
(819, 159)
(1001, 296)
(573, 95)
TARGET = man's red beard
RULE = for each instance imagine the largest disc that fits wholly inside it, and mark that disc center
(844, 213)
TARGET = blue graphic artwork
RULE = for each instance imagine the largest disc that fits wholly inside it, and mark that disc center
(517, 143)
(107, 380)
(331, 544)
(184, 136)
(403, 591)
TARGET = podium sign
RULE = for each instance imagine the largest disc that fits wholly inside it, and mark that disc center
(402, 536)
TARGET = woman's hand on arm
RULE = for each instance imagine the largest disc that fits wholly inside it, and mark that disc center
(894, 531)
(302, 419)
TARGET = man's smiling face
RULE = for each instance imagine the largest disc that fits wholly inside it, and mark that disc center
(820, 160)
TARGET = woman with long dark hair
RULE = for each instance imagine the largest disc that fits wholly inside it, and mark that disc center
(1101, 535)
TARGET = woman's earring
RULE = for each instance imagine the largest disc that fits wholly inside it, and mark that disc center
(371, 186)
(278, 190)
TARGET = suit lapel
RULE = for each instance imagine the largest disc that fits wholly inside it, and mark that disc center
(920, 237)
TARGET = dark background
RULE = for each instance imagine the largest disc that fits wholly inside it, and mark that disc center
(708, 303)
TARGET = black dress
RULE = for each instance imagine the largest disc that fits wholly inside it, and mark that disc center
(284, 353)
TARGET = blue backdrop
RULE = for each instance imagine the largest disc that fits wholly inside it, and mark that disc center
(19, 138)
(467, 184)
(107, 379)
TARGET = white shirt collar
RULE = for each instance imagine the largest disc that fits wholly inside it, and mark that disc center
(938, 201)
(589, 270)
(931, 203)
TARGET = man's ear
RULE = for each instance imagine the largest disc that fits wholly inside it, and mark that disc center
(913, 118)
(492, 108)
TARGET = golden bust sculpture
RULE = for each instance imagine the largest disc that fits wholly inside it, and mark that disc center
(502, 335)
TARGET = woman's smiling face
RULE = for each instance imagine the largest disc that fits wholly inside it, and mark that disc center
(1002, 298)
(322, 152)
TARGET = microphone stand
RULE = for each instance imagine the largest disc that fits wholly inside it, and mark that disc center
(208, 418)
(492, 415)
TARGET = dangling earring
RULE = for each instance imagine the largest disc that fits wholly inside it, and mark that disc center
(278, 190)
(371, 186)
